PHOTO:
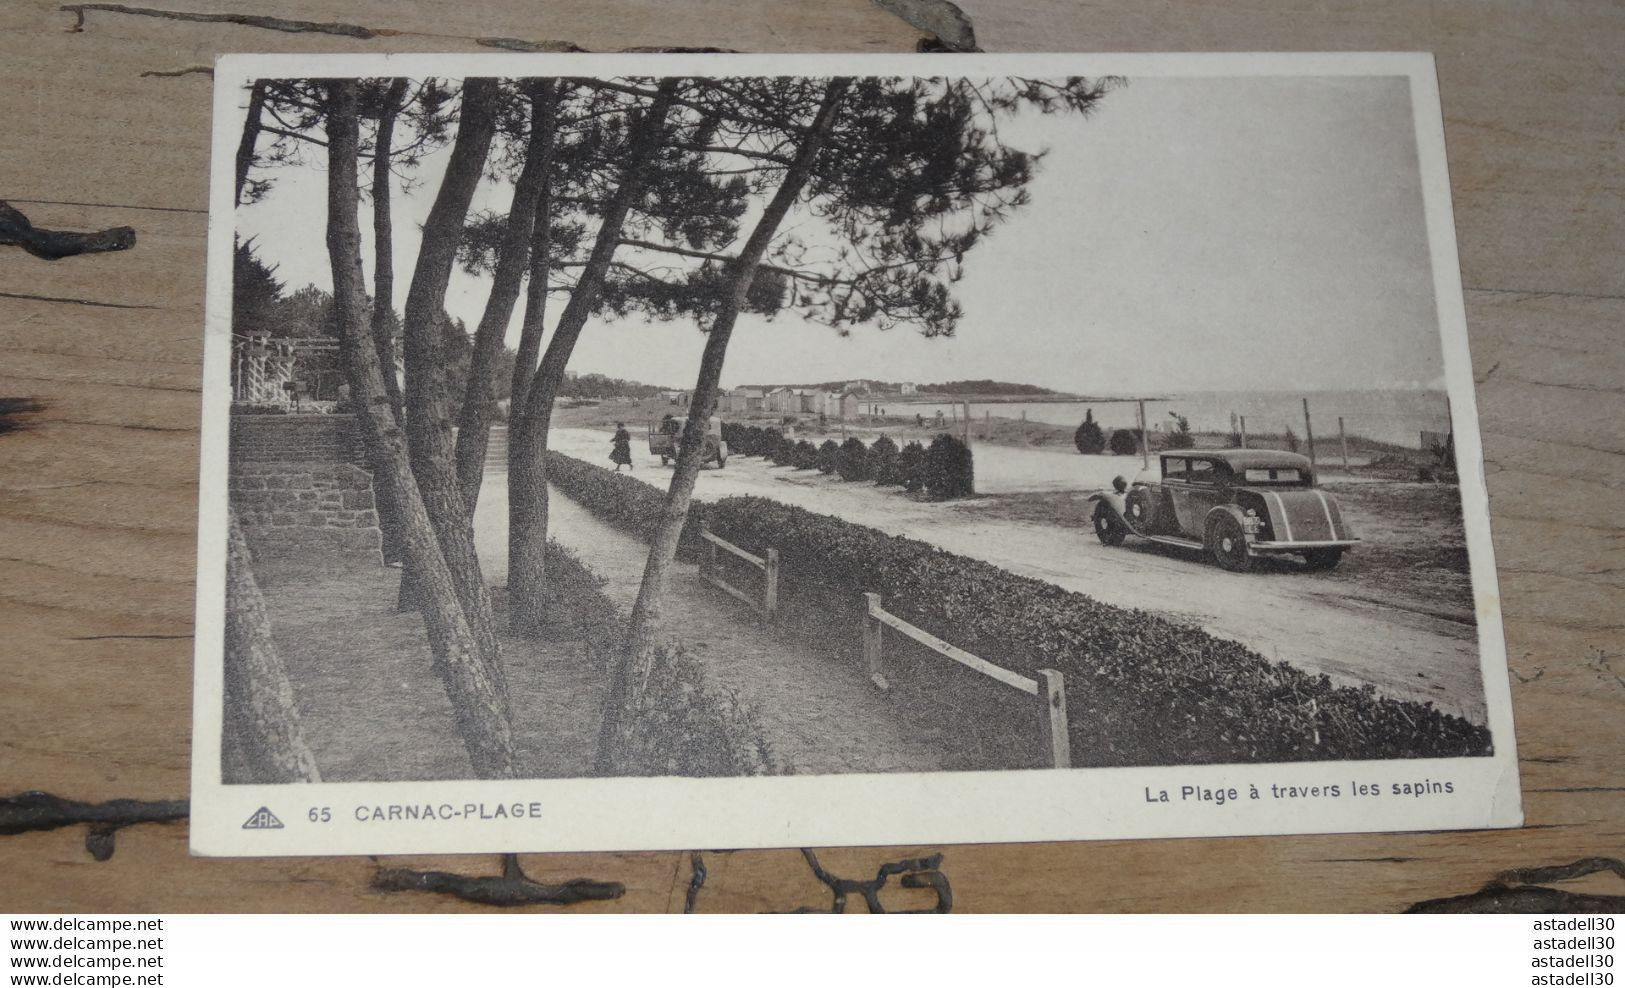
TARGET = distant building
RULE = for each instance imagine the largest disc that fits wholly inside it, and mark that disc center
(743, 401)
(841, 405)
(782, 400)
(908, 388)
(859, 385)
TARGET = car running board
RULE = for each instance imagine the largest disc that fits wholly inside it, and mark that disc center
(1174, 540)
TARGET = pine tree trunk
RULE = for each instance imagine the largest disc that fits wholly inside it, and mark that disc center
(474, 423)
(527, 431)
(428, 419)
(532, 325)
(478, 700)
(383, 238)
(527, 479)
(261, 742)
(383, 303)
(251, 136)
(633, 666)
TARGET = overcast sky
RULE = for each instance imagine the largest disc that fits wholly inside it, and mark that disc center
(1191, 235)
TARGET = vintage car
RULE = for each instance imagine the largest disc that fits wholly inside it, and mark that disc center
(665, 434)
(1235, 504)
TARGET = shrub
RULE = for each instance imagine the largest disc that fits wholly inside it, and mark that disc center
(1089, 438)
(1125, 442)
(883, 460)
(684, 725)
(911, 466)
(805, 456)
(1179, 437)
(575, 603)
(776, 447)
(742, 440)
(1142, 690)
(826, 456)
(949, 470)
(852, 460)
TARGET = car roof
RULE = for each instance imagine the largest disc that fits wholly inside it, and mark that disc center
(1245, 459)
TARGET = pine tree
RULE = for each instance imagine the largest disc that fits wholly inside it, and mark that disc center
(909, 175)
(1089, 438)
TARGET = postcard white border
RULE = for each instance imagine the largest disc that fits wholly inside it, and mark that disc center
(917, 808)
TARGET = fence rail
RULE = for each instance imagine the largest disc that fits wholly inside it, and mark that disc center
(1051, 692)
(767, 603)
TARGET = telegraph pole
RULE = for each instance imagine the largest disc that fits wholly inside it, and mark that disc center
(1309, 433)
(1145, 441)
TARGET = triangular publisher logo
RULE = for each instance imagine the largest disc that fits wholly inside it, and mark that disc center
(263, 819)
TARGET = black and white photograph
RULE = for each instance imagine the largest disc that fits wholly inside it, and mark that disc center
(703, 450)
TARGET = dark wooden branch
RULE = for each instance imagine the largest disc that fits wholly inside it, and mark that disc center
(52, 245)
(35, 810)
(916, 873)
(512, 888)
(16, 414)
(1522, 890)
(696, 880)
(78, 10)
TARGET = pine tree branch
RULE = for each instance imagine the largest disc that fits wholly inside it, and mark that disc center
(53, 245)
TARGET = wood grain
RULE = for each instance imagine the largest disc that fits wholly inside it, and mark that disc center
(98, 503)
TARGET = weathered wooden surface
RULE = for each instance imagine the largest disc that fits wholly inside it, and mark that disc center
(108, 126)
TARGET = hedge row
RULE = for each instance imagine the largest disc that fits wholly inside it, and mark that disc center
(945, 469)
(686, 724)
(1141, 690)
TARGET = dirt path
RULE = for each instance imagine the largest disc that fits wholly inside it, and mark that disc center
(821, 715)
(373, 709)
(1401, 647)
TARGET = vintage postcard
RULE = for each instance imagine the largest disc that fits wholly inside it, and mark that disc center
(678, 451)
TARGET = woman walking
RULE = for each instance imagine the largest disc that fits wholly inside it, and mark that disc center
(621, 447)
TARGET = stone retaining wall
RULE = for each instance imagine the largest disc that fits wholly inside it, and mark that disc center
(296, 438)
(307, 511)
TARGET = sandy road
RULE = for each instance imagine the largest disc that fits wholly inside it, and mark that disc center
(1315, 624)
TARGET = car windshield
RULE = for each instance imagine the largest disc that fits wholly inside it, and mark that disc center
(1274, 475)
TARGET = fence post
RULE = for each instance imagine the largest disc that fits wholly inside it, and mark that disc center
(1053, 696)
(1343, 439)
(708, 558)
(1243, 432)
(770, 594)
(871, 640)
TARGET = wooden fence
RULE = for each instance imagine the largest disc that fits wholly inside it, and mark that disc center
(1051, 694)
(767, 603)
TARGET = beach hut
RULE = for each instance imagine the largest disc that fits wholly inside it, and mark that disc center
(743, 401)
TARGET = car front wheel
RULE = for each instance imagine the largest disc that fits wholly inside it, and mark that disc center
(1227, 544)
(1322, 559)
(1108, 526)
